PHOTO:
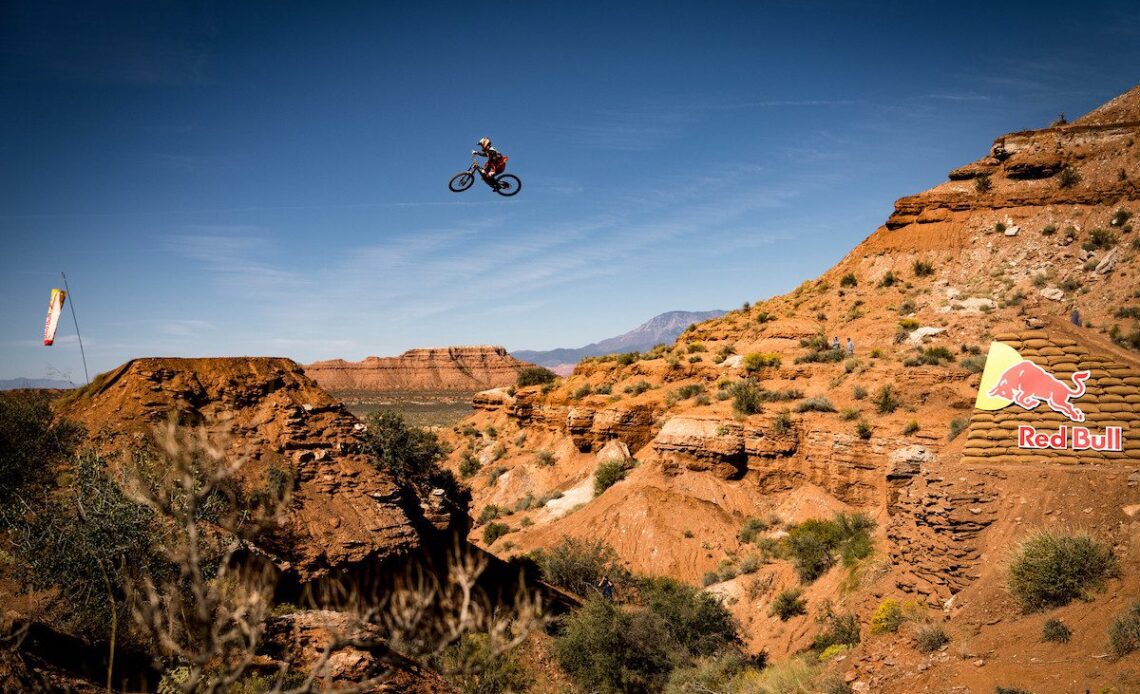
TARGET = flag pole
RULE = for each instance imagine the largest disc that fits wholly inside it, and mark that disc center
(76, 320)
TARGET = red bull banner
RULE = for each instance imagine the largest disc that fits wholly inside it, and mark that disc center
(1009, 379)
(55, 310)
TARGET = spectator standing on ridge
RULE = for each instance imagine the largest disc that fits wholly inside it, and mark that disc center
(1076, 318)
(835, 343)
(850, 347)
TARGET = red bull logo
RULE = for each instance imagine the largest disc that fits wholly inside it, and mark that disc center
(1010, 379)
(1028, 385)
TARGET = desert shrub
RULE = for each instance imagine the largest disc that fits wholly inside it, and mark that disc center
(477, 668)
(818, 403)
(908, 324)
(886, 401)
(544, 458)
(782, 423)
(578, 565)
(888, 617)
(787, 604)
(607, 388)
(489, 513)
(534, 376)
(888, 280)
(848, 280)
(859, 392)
(1124, 634)
(838, 630)
(911, 428)
(747, 398)
(637, 388)
(999, 228)
(759, 360)
(982, 183)
(695, 347)
(1055, 631)
(1120, 217)
(710, 578)
(604, 648)
(931, 356)
(957, 426)
(627, 358)
(31, 445)
(930, 638)
(812, 545)
(85, 545)
(750, 564)
(824, 356)
(1011, 690)
(581, 391)
(409, 454)
(863, 430)
(849, 414)
(1049, 230)
(1068, 177)
(690, 390)
(494, 474)
(1050, 569)
(975, 364)
(923, 269)
(764, 317)
(493, 531)
(1127, 312)
(469, 465)
(608, 474)
(1100, 239)
(752, 528)
(717, 673)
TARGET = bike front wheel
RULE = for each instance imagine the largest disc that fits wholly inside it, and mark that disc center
(509, 185)
(461, 181)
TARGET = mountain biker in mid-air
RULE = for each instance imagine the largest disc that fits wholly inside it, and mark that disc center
(496, 162)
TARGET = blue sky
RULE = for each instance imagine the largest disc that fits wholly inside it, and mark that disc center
(270, 178)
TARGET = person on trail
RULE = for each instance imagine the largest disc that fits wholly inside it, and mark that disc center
(496, 161)
(850, 347)
(835, 343)
(606, 586)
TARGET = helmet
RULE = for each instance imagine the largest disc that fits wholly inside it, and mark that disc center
(485, 142)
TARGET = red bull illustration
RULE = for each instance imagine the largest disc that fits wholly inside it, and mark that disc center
(1028, 385)
(1010, 379)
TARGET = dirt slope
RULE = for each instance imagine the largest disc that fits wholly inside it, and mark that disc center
(1008, 249)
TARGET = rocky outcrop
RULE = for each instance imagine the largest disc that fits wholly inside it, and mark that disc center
(267, 412)
(444, 368)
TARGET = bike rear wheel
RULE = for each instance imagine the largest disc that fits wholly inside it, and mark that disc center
(461, 181)
(509, 184)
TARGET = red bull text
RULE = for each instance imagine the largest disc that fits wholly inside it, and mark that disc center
(1072, 438)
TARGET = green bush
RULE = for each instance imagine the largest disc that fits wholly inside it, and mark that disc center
(1068, 177)
(1100, 239)
(409, 454)
(1049, 569)
(1055, 631)
(544, 458)
(751, 528)
(1124, 634)
(975, 364)
(886, 401)
(605, 648)
(1049, 230)
(849, 414)
(469, 465)
(1120, 217)
(628, 358)
(818, 403)
(982, 183)
(31, 445)
(859, 392)
(839, 630)
(782, 423)
(475, 667)
(957, 426)
(923, 269)
(577, 565)
(534, 376)
(489, 513)
(608, 474)
(911, 428)
(747, 398)
(493, 531)
(864, 431)
(788, 604)
(888, 280)
(812, 545)
(637, 388)
(690, 390)
(848, 280)
(582, 391)
(888, 617)
(760, 360)
(908, 324)
(930, 638)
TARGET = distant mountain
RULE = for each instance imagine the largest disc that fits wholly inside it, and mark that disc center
(14, 383)
(664, 328)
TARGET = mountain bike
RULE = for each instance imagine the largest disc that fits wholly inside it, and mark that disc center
(504, 184)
